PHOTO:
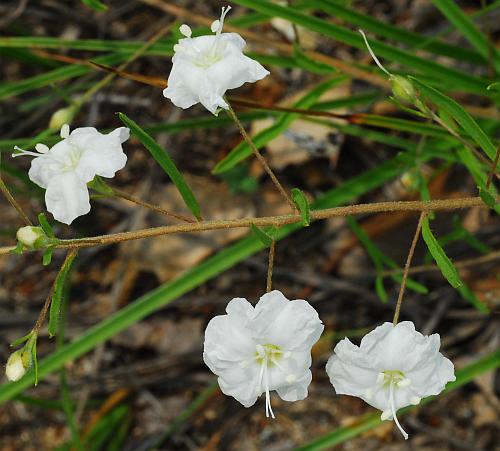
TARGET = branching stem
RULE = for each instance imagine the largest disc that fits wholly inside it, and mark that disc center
(277, 221)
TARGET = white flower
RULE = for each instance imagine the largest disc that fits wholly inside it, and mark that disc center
(29, 235)
(204, 68)
(256, 350)
(394, 366)
(16, 366)
(66, 168)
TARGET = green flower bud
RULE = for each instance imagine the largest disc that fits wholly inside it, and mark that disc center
(17, 364)
(403, 89)
(31, 237)
(61, 117)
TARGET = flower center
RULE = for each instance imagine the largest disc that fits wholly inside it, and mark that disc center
(267, 355)
(391, 380)
(209, 56)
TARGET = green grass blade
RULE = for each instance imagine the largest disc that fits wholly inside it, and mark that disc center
(95, 5)
(193, 278)
(466, 26)
(341, 435)
(243, 151)
(463, 118)
(163, 159)
(458, 79)
(388, 31)
(60, 74)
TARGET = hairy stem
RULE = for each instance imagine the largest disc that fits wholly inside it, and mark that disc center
(261, 159)
(407, 267)
(270, 266)
(156, 208)
(277, 221)
(13, 202)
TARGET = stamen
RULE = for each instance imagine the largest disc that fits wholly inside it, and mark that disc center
(269, 409)
(65, 131)
(186, 30)
(377, 62)
(215, 26)
(395, 418)
(225, 10)
(42, 148)
(22, 152)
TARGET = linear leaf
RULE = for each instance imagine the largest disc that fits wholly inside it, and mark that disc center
(57, 297)
(447, 268)
(95, 4)
(400, 35)
(163, 159)
(458, 79)
(466, 26)
(301, 202)
(460, 115)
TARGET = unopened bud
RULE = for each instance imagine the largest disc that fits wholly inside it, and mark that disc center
(31, 236)
(403, 89)
(17, 364)
(61, 117)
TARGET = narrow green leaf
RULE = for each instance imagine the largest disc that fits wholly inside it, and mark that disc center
(447, 268)
(21, 340)
(242, 150)
(466, 26)
(47, 256)
(380, 289)
(301, 202)
(263, 236)
(95, 4)
(488, 198)
(454, 109)
(163, 159)
(460, 80)
(399, 35)
(47, 228)
(57, 296)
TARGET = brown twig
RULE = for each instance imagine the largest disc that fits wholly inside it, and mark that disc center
(13, 202)
(277, 221)
(156, 208)
(493, 169)
(407, 267)
(492, 256)
(261, 159)
(270, 266)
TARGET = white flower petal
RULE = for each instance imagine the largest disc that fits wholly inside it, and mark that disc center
(204, 68)
(297, 326)
(67, 197)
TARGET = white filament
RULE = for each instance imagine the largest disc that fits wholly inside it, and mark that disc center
(377, 62)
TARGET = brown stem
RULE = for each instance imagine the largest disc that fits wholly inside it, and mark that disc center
(493, 169)
(359, 209)
(13, 202)
(261, 159)
(270, 266)
(156, 208)
(492, 256)
(407, 267)
(43, 313)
